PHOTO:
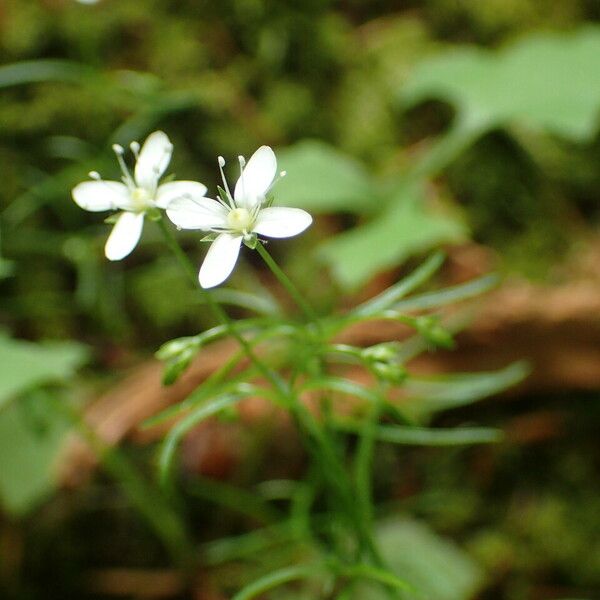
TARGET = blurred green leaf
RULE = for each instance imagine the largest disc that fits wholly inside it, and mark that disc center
(403, 287)
(548, 81)
(24, 365)
(406, 228)
(181, 428)
(433, 394)
(433, 566)
(28, 453)
(321, 179)
(425, 436)
(448, 295)
(34, 71)
(6, 268)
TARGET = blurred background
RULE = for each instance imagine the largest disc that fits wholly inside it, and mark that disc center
(404, 127)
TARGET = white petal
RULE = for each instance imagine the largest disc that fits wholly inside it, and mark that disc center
(197, 213)
(280, 222)
(256, 178)
(153, 160)
(124, 236)
(168, 192)
(220, 260)
(100, 195)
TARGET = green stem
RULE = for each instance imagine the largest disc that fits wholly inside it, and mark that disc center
(286, 282)
(333, 467)
(319, 444)
(217, 309)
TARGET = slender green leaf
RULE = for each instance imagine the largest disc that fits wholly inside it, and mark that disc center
(425, 436)
(34, 71)
(276, 579)
(430, 395)
(404, 287)
(448, 295)
(178, 432)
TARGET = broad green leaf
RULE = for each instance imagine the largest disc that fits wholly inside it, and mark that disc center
(321, 179)
(434, 567)
(24, 365)
(546, 81)
(406, 228)
(28, 450)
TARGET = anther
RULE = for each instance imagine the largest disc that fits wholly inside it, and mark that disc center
(221, 161)
(135, 148)
(94, 175)
(242, 161)
(118, 149)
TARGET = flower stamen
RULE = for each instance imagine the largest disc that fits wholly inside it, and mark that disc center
(221, 162)
(240, 219)
(127, 178)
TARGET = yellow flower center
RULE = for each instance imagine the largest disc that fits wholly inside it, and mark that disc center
(239, 219)
(141, 198)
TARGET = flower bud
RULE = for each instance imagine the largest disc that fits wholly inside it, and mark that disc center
(393, 373)
(429, 327)
(385, 352)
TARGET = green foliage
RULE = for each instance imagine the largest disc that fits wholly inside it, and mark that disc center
(323, 180)
(31, 432)
(430, 395)
(223, 78)
(435, 568)
(25, 365)
(406, 228)
(549, 81)
(31, 435)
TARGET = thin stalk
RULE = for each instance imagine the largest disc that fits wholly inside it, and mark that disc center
(317, 440)
(333, 467)
(286, 282)
(217, 309)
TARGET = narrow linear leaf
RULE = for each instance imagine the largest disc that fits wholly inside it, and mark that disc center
(427, 396)
(425, 436)
(276, 579)
(449, 295)
(404, 287)
(34, 71)
(177, 433)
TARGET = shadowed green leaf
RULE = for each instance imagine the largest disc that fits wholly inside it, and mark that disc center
(430, 395)
(321, 179)
(546, 81)
(406, 228)
(435, 568)
(24, 365)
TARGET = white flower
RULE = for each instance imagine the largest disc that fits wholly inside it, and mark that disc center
(136, 194)
(238, 217)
